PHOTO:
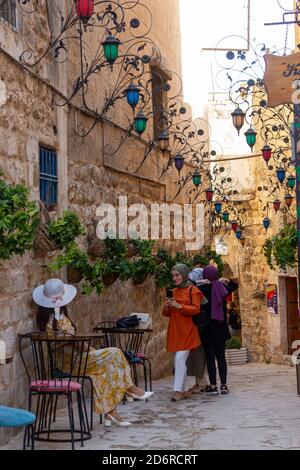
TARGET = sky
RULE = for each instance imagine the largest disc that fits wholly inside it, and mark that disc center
(204, 24)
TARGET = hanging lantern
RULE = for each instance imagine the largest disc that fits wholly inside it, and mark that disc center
(288, 199)
(276, 205)
(84, 9)
(140, 123)
(133, 95)
(164, 140)
(266, 223)
(251, 137)
(209, 194)
(111, 49)
(266, 153)
(179, 162)
(197, 178)
(225, 216)
(280, 174)
(291, 182)
(238, 233)
(234, 225)
(238, 119)
(243, 240)
(218, 207)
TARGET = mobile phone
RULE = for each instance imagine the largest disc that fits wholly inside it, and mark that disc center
(169, 294)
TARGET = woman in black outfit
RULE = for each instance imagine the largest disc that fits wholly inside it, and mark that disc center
(215, 333)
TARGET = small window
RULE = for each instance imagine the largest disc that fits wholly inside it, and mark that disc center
(159, 100)
(8, 12)
(48, 177)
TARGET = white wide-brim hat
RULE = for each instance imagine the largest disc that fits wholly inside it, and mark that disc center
(54, 293)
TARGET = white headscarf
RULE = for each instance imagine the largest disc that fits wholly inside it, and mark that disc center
(196, 275)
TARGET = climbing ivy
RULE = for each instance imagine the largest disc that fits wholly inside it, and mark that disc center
(280, 250)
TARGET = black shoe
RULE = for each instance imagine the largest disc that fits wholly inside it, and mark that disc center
(224, 390)
(211, 390)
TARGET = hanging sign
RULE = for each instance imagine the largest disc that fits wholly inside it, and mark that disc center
(272, 298)
(280, 75)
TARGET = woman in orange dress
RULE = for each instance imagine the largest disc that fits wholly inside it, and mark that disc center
(183, 335)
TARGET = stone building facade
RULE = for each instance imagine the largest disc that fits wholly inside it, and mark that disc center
(87, 176)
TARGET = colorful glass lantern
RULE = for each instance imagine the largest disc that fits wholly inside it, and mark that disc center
(140, 123)
(197, 178)
(280, 174)
(266, 153)
(291, 182)
(251, 137)
(276, 205)
(84, 9)
(288, 199)
(234, 225)
(111, 48)
(218, 207)
(238, 119)
(266, 223)
(209, 194)
(225, 216)
(179, 162)
(238, 233)
(164, 140)
(133, 95)
(243, 240)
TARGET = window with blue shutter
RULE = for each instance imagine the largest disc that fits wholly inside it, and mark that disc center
(48, 177)
(8, 12)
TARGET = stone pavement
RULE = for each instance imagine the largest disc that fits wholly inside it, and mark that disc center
(262, 411)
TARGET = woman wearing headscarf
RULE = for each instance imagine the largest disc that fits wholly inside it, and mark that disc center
(215, 334)
(182, 334)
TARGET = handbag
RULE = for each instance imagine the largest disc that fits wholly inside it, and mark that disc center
(128, 322)
(202, 319)
(145, 320)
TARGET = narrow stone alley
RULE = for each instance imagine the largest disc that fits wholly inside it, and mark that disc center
(262, 411)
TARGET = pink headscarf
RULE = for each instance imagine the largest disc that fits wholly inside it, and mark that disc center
(218, 292)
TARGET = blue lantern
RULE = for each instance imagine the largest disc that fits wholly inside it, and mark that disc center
(238, 233)
(266, 223)
(218, 207)
(280, 174)
(133, 95)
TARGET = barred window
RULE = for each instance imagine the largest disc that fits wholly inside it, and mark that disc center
(48, 177)
(8, 12)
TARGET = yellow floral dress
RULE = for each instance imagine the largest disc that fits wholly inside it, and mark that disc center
(108, 369)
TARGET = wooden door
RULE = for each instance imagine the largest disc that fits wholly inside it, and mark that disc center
(293, 320)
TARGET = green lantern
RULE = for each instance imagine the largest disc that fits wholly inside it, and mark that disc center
(140, 123)
(251, 137)
(291, 182)
(225, 216)
(111, 49)
(197, 178)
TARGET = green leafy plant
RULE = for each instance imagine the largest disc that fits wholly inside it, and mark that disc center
(280, 250)
(121, 267)
(18, 220)
(205, 257)
(115, 248)
(233, 343)
(66, 229)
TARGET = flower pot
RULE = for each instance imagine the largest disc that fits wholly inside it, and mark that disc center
(109, 278)
(74, 275)
(131, 250)
(96, 247)
(236, 356)
(141, 279)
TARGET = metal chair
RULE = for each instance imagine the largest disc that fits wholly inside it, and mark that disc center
(59, 363)
(133, 343)
(16, 418)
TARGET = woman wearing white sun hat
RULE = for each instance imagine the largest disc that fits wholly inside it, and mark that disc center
(108, 368)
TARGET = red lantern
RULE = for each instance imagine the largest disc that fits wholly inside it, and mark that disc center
(234, 225)
(276, 205)
(84, 9)
(266, 153)
(288, 200)
(209, 194)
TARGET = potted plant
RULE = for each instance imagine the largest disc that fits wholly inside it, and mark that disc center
(76, 262)
(145, 264)
(234, 352)
(19, 220)
(117, 268)
(66, 229)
